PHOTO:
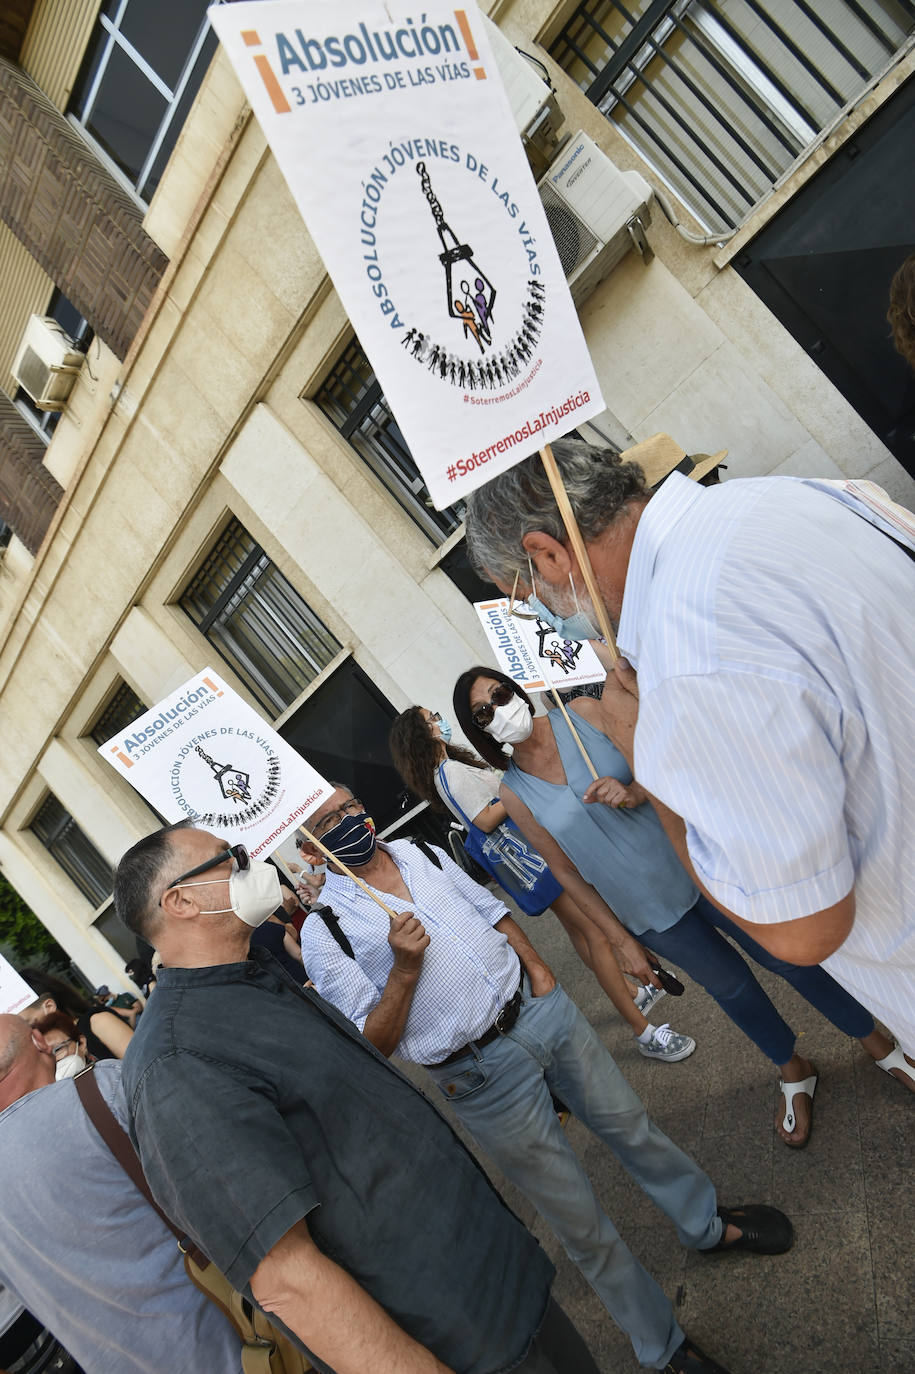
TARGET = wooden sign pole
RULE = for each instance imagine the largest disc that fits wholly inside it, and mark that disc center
(578, 547)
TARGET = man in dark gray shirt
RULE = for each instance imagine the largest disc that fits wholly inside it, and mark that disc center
(311, 1171)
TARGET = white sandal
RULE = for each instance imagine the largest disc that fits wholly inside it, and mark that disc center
(896, 1060)
(790, 1091)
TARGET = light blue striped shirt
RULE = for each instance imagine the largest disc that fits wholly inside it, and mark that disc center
(469, 970)
(773, 631)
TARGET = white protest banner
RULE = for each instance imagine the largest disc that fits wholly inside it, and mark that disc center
(398, 143)
(533, 655)
(204, 753)
(15, 992)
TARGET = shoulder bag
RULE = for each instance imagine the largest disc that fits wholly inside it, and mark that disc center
(506, 856)
(264, 1349)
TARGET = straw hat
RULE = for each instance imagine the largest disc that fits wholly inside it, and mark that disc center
(661, 455)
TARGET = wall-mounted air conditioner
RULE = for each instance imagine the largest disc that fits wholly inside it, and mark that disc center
(47, 363)
(537, 114)
(596, 213)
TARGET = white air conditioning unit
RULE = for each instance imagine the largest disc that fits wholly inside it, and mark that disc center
(537, 115)
(596, 213)
(47, 363)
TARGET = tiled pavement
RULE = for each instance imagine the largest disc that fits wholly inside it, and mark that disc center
(843, 1300)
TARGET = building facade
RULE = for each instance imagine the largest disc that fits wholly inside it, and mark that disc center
(226, 485)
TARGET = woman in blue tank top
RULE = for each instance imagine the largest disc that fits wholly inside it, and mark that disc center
(618, 865)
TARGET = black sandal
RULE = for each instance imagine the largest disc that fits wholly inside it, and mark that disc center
(763, 1230)
(689, 1359)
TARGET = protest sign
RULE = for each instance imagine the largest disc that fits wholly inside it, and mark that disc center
(399, 146)
(204, 753)
(533, 655)
(15, 992)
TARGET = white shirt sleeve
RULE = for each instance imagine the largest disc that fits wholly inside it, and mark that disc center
(337, 977)
(472, 788)
(753, 765)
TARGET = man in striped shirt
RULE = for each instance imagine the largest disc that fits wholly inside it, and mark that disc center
(772, 625)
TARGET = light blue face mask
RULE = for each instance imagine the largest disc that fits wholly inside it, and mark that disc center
(577, 626)
(444, 729)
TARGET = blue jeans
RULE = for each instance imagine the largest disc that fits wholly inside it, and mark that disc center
(696, 946)
(502, 1095)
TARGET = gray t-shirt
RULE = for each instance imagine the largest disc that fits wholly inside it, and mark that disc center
(472, 788)
(85, 1252)
(255, 1104)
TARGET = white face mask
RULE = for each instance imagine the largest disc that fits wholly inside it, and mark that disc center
(69, 1066)
(254, 894)
(512, 723)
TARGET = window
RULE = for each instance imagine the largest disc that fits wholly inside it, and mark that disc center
(123, 708)
(256, 620)
(74, 851)
(142, 69)
(722, 96)
(352, 398)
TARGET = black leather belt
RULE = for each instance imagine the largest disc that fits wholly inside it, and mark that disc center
(501, 1026)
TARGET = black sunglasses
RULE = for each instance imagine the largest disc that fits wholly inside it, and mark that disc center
(501, 696)
(238, 852)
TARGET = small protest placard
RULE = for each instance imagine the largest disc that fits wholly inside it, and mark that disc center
(534, 655)
(205, 753)
(393, 130)
(15, 992)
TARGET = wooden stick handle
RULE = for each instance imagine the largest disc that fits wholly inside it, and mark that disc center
(575, 735)
(578, 546)
(329, 854)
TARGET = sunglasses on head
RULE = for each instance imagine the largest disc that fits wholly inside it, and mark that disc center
(500, 696)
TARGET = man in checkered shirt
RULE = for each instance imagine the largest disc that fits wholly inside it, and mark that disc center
(452, 982)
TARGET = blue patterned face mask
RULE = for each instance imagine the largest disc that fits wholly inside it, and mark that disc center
(352, 840)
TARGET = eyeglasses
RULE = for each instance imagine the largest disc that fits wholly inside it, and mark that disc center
(499, 696)
(237, 852)
(57, 1049)
(349, 808)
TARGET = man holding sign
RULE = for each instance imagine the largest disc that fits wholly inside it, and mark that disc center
(771, 623)
(317, 1178)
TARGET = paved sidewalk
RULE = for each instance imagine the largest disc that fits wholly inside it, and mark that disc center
(843, 1300)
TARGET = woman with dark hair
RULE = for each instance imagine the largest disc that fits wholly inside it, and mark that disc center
(107, 1033)
(432, 767)
(608, 857)
(61, 1033)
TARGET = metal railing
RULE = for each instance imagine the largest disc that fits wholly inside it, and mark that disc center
(722, 96)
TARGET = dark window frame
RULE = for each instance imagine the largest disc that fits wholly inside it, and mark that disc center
(242, 614)
(73, 851)
(359, 422)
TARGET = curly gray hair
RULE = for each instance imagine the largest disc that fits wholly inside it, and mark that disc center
(521, 500)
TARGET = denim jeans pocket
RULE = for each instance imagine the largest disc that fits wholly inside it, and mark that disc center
(460, 1085)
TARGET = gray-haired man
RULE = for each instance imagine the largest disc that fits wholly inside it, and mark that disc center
(772, 624)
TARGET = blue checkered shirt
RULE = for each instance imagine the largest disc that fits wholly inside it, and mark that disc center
(469, 970)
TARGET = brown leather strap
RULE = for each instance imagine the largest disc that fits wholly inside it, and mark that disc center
(119, 1143)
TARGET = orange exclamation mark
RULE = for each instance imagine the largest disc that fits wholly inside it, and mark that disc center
(464, 27)
(128, 763)
(212, 686)
(274, 89)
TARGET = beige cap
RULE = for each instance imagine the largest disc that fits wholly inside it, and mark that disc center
(661, 455)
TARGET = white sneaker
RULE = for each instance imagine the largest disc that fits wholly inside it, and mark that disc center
(667, 1044)
(647, 996)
